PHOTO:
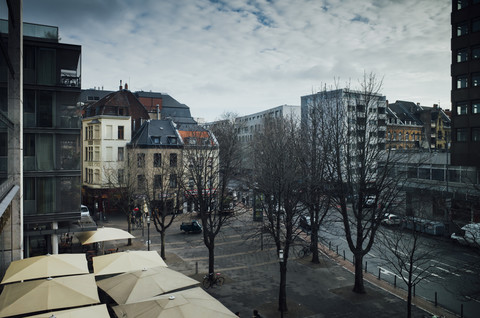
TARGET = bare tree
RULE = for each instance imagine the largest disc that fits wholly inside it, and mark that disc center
(361, 170)
(207, 173)
(409, 253)
(276, 179)
(313, 156)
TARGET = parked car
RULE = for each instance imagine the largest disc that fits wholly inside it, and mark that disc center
(468, 235)
(369, 202)
(305, 223)
(191, 227)
(391, 219)
(84, 212)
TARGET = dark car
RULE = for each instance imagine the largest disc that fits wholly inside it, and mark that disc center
(305, 223)
(191, 227)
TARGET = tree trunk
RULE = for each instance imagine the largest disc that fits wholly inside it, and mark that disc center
(409, 301)
(314, 245)
(162, 244)
(282, 294)
(129, 230)
(358, 287)
(211, 257)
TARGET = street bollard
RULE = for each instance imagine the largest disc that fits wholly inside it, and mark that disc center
(379, 273)
(414, 285)
(395, 281)
(196, 267)
(366, 264)
(337, 249)
(330, 246)
(343, 254)
(461, 310)
(353, 259)
(435, 299)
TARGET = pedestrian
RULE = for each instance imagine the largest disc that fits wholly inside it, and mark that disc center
(256, 314)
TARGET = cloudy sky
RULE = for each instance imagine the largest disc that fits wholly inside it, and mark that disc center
(246, 56)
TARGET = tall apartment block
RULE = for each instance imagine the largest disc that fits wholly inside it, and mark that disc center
(51, 141)
(465, 150)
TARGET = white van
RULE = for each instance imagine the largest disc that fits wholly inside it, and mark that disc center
(84, 212)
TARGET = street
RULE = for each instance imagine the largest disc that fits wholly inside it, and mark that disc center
(452, 275)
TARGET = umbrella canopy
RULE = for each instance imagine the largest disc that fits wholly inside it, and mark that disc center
(98, 311)
(140, 285)
(103, 234)
(46, 266)
(126, 262)
(193, 302)
(47, 294)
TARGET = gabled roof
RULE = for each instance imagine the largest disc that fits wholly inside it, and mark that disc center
(171, 108)
(119, 103)
(405, 111)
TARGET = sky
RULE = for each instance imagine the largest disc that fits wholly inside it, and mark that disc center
(246, 56)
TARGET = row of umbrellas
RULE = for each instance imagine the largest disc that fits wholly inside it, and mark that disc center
(139, 282)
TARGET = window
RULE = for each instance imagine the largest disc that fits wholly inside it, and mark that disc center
(462, 108)
(173, 160)
(108, 132)
(156, 140)
(476, 52)
(157, 181)
(462, 4)
(462, 28)
(109, 153)
(140, 160)
(157, 160)
(462, 81)
(172, 140)
(476, 25)
(89, 133)
(120, 176)
(476, 79)
(476, 107)
(141, 182)
(476, 134)
(121, 154)
(462, 55)
(461, 134)
(173, 181)
(407, 136)
(120, 132)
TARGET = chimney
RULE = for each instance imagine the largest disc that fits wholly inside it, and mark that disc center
(126, 86)
(120, 88)
(158, 112)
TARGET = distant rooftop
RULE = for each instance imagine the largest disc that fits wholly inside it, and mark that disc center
(33, 30)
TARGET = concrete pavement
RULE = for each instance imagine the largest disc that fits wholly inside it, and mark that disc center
(252, 275)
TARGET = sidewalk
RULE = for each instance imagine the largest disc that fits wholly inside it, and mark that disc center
(252, 276)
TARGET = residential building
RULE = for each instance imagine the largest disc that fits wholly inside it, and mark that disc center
(50, 179)
(465, 71)
(108, 126)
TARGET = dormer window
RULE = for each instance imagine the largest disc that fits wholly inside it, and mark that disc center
(172, 140)
(156, 140)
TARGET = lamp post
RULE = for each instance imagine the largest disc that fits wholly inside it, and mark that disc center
(148, 232)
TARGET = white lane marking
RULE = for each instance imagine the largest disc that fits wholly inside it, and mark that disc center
(447, 271)
(386, 271)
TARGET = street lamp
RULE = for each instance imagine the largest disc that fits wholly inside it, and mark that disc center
(148, 232)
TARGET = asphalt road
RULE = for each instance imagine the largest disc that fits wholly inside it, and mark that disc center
(452, 273)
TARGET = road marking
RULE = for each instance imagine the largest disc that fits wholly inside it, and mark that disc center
(447, 271)
(386, 271)
(371, 254)
(229, 255)
(471, 298)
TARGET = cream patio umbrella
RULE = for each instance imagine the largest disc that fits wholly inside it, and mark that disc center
(136, 286)
(97, 311)
(193, 302)
(46, 266)
(46, 294)
(126, 262)
(103, 234)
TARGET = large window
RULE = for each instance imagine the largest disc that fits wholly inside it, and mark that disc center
(157, 181)
(476, 107)
(461, 134)
(476, 25)
(120, 133)
(141, 182)
(462, 81)
(462, 108)
(157, 160)
(45, 109)
(462, 55)
(173, 160)
(121, 154)
(140, 160)
(120, 176)
(462, 4)
(46, 67)
(476, 79)
(476, 134)
(173, 181)
(462, 28)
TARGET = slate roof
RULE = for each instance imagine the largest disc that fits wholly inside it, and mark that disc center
(405, 111)
(109, 105)
(171, 108)
(157, 133)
